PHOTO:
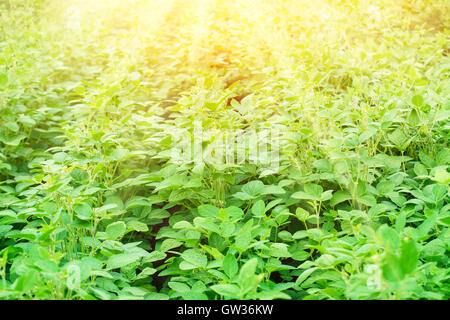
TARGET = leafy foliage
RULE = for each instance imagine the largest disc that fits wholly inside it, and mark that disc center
(92, 100)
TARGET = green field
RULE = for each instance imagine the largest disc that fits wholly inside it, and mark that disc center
(212, 149)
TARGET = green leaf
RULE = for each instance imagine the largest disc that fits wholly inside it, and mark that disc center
(300, 255)
(389, 237)
(184, 225)
(301, 214)
(325, 260)
(227, 229)
(136, 202)
(121, 260)
(107, 207)
(434, 248)
(137, 226)
(408, 256)
(248, 269)
(417, 100)
(207, 210)
(26, 121)
(426, 160)
(248, 281)
(366, 135)
(312, 192)
(47, 266)
(313, 189)
(145, 273)
(178, 286)
(193, 295)
(258, 208)
(156, 296)
(3, 79)
(235, 212)
(230, 265)
(399, 139)
(83, 211)
(272, 189)
(187, 266)
(443, 157)
(435, 193)
(391, 268)
(243, 196)
(118, 154)
(26, 281)
(253, 188)
(441, 175)
(243, 241)
(304, 196)
(327, 195)
(154, 256)
(279, 250)
(367, 200)
(400, 221)
(413, 118)
(340, 196)
(12, 140)
(116, 230)
(158, 214)
(420, 170)
(226, 290)
(13, 126)
(305, 274)
(427, 225)
(323, 165)
(169, 244)
(102, 294)
(385, 187)
(179, 194)
(300, 235)
(195, 258)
